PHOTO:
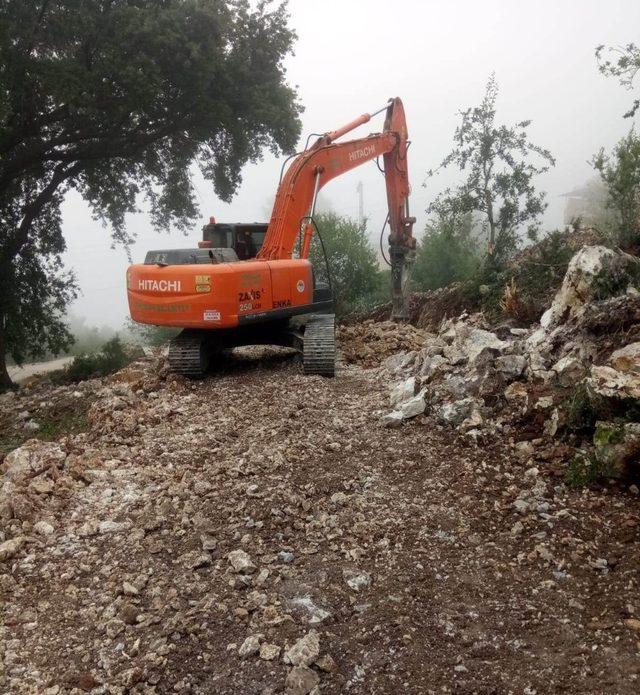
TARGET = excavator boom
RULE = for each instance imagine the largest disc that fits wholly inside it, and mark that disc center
(326, 159)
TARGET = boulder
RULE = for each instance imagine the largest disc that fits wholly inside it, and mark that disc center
(454, 413)
(392, 419)
(305, 651)
(610, 383)
(403, 391)
(569, 370)
(512, 366)
(432, 365)
(31, 459)
(414, 406)
(626, 359)
(482, 343)
(581, 283)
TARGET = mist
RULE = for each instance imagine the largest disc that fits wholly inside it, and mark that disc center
(437, 56)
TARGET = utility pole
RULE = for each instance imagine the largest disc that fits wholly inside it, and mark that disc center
(360, 189)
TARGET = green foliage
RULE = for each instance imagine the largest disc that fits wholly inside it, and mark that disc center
(613, 283)
(119, 100)
(581, 409)
(584, 471)
(620, 172)
(496, 162)
(522, 289)
(151, 336)
(356, 279)
(110, 359)
(53, 427)
(625, 66)
(447, 253)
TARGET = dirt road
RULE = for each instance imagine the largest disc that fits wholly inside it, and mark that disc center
(19, 374)
(423, 563)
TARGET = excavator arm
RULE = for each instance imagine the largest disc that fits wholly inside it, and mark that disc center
(310, 170)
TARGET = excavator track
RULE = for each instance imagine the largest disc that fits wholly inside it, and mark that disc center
(319, 345)
(189, 355)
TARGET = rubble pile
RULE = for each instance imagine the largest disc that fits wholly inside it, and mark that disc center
(520, 383)
(369, 342)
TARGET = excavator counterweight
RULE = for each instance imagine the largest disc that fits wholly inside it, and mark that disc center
(250, 284)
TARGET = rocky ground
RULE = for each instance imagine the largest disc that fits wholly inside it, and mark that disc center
(263, 532)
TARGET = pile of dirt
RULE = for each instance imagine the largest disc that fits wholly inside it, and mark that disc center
(368, 343)
(424, 309)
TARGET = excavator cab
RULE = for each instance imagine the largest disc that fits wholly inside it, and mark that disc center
(245, 239)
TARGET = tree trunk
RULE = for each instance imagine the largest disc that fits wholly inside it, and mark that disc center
(5, 379)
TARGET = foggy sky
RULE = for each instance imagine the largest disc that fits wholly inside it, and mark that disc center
(352, 55)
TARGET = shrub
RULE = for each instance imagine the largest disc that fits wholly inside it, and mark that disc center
(447, 253)
(584, 471)
(108, 360)
(620, 172)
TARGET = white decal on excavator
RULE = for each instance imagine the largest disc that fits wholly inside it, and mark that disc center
(363, 152)
(160, 285)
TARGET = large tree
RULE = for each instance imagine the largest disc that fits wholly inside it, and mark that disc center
(499, 164)
(119, 99)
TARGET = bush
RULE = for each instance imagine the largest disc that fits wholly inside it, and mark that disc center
(620, 172)
(152, 336)
(356, 278)
(110, 359)
(584, 471)
(523, 289)
(447, 253)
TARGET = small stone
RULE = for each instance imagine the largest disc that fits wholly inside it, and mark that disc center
(521, 506)
(241, 562)
(43, 528)
(41, 485)
(208, 542)
(357, 580)
(268, 652)
(326, 663)
(633, 623)
(511, 366)
(250, 646)
(517, 528)
(305, 651)
(516, 392)
(9, 548)
(195, 560)
(129, 589)
(129, 613)
(109, 526)
(301, 680)
(285, 557)
(339, 498)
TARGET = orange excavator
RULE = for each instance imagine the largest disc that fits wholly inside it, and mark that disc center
(253, 284)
